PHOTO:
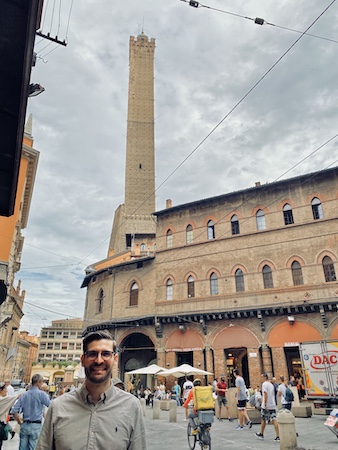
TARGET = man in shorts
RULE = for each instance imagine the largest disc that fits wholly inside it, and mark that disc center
(221, 388)
(268, 411)
(241, 401)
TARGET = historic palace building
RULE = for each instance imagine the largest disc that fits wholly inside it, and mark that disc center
(237, 280)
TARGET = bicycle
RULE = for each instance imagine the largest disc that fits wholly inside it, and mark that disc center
(204, 421)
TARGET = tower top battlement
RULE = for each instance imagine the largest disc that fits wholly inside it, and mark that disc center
(142, 38)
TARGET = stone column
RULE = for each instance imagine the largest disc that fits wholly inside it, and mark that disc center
(266, 357)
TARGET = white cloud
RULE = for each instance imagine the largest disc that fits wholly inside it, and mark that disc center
(205, 62)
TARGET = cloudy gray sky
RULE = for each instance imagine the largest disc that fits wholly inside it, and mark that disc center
(206, 61)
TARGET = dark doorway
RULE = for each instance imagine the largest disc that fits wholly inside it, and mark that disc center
(236, 358)
(184, 358)
(293, 361)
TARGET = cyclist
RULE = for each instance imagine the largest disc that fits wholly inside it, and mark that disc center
(193, 413)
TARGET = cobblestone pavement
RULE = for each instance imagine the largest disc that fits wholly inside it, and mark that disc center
(163, 435)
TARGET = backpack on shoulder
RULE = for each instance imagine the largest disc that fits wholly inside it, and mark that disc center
(289, 397)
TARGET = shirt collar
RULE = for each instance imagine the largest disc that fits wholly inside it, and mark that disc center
(107, 395)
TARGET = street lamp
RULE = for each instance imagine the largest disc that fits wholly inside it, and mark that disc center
(35, 89)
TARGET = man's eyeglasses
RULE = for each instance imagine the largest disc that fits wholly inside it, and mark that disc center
(93, 354)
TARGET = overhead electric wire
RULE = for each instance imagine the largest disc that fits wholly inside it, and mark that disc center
(225, 117)
(218, 124)
(48, 310)
(256, 20)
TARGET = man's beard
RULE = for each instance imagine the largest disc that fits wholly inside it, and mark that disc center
(96, 380)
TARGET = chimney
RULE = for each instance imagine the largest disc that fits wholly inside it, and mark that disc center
(168, 203)
(258, 183)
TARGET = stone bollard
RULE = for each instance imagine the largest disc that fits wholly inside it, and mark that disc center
(143, 406)
(172, 411)
(287, 430)
(156, 409)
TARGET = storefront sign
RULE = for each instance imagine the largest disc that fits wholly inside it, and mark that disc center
(291, 344)
(253, 355)
(184, 349)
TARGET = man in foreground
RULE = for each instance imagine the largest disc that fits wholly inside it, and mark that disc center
(268, 411)
(31, 404)
(97, 415)
(241, 401)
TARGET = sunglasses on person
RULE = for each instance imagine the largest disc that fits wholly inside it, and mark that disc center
(93, 354)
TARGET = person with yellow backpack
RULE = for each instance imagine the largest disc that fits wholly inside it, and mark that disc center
(202, 399)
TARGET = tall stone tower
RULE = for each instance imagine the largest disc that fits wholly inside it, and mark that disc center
(133, 222)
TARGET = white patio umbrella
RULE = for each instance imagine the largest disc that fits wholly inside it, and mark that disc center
(184, 370)
(153, 369)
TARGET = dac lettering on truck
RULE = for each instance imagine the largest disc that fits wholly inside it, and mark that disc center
(320, 364)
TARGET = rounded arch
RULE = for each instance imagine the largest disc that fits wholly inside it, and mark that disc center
(189, 339)
(266, 262)
(169, 228)
(192, 223)
(206, 220)
(131, 281)
(284, 202)
(259, 207)
(129, 335)
(229, 216)
(217, 272)
(333, 330)
(238, 266)
(298, 331)
(326, 253)
(188, 274)
(166, 278)
(235, 336)
(318, 195)
(295, 258)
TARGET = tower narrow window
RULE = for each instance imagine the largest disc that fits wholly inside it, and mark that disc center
(191, 287)
(211, 230)
(267, 277)
(239, 278)
(213, 284)
(100, 302)
(169, 238)
(288, 215)
(133, 299)
(328, 268)
(317, 209)
(297, 275)
(260, 220)
(169, 289)
(189, 234)
(234, 224)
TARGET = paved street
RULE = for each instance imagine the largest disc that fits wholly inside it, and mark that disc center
(162, 435)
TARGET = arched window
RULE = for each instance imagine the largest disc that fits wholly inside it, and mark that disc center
(143, 247)
(328, 268)
(133, 297)
(213, 284)
(267, 277)
(297, 274)
(260, 220)
(100, 301)
(234, 224)
(239, 278)
(169, 289)
(317, 209)
(189, 234)
(169, 238)
(211, 230)
(191, 287)
(288, 215)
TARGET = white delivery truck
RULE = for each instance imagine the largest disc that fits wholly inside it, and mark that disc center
(320, 369)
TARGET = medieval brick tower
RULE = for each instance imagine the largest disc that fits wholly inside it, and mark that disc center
(134, 226)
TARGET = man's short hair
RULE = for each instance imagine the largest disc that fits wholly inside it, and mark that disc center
(265, 375)
(36, 378)
(97, 336)
(236, 372)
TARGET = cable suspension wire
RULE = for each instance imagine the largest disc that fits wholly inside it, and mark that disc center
(216, 126)
(256, 20)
